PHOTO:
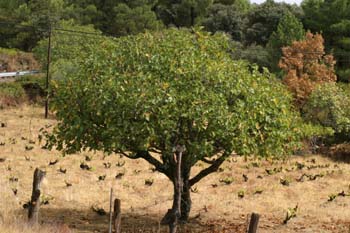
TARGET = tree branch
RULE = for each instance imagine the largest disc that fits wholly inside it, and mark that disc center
(213, 168)
(155, 162)
(150, 159)
(154, 150)
(208, 161)
(126, 155)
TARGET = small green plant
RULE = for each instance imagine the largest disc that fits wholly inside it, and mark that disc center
(285, 181)
(62, 170)
(45, 199)
(258, 191)
(227, 180)
(300, 166)
(28, 147)
(136, 171)
(13, 179)
(194, 189)
(245, 177)
(255, 164)
(53, 162)
(221, 169)
(85, 166)
(332, 197)
(274, 170)
(119, 175)
(13, 140)
(241, 193)
(126, 184)
(120, 163)
(149, 182)
(107, 165)
(98, 210)
(102, 177)
(68, 184)
(291, 213)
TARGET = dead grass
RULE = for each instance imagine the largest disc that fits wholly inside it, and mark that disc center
(216, 205)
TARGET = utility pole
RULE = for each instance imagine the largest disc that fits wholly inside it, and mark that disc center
(48, 73)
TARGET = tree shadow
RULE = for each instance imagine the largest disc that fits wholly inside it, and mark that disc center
(338, 153)
(87, 221)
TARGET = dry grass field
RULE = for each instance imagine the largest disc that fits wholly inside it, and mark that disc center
(308, 181)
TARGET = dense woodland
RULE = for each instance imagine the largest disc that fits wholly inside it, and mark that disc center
(258, 32)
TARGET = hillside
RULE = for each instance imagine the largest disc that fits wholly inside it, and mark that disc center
(216, 204)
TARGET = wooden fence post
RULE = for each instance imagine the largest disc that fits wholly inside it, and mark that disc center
(34, 204)
(110, 211)
(117, 216)
(253, 225)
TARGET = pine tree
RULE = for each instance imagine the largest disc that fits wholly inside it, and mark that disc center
(289, 29)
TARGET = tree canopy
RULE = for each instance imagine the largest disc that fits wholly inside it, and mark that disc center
(289, 29)
(306, 65)
(143, 95)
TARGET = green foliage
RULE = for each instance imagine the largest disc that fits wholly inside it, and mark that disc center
(132, 17)
(227, 180)
(225, 18)
(255, 54)
(289, 29)
(23, 89)
(27, 23)
(11, 90)
(312, 130)
(241, 193)
(8, 52)
(329, 106)
(25, 80)
(156, 91)
(175, 87)
(263, 19)
(332, 18)
(291, 213)
(66, 49)
(183, 13)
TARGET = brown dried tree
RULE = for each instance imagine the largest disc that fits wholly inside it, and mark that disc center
(306, 65)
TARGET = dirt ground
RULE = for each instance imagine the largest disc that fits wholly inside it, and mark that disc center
(270, 188)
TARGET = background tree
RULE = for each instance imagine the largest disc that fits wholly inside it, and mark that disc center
(66, 48)
(225, 18)
(306, 65)
(143, 95)
(243, 5)
(332, 18)
(132, 18)
(182, 13)
(289, 29)
(30, 21)
(329, 106)
(263, 19)
(254, 54)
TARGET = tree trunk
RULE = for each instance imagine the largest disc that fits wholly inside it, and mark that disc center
(186, 202)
